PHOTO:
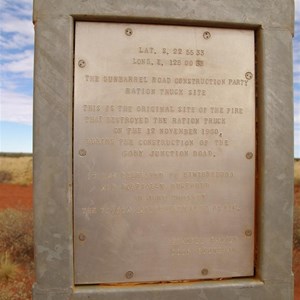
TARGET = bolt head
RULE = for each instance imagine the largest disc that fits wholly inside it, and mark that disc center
(129, 274)
(81, 63)
(249, 155)
(128, 31)
(248, 75)
(204, 272)
(248, 232)
(82, 152)
(206, 35)
(81, 237)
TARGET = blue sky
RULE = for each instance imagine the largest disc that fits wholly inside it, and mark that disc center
(16, 74)
(297, 81)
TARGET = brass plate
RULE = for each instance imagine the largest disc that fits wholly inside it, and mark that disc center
(164, 153)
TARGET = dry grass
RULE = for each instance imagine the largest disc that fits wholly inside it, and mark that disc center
(16, 170)
(8, 269)
(16, 255)
(297, 172)
(16, 234)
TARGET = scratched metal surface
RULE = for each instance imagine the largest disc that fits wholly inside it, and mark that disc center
(164, 155)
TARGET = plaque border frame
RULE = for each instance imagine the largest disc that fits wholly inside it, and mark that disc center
(53, 143)
(82, 249)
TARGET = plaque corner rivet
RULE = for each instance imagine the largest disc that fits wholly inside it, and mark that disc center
(248, 232)
(249, 155)
(129, 274)
(82, 152)
(248, 75)
(204, 272)
(82, 237)
(206, 35)
(128, 31)
(81, 63)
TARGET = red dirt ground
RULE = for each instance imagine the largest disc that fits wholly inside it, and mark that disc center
(15, 196)
(296, 261)
(296, 268)
(20, 197)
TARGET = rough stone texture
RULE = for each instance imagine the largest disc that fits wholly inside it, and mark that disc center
(275, 145)
(53, 105)
(267, 13)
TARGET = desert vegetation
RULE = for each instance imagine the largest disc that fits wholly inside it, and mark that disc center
(16, 168)
(297, 205)
(16, 254)
(297, 172)
(16, 229)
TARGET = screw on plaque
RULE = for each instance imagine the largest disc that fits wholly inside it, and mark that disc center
(128, 31)
(81, 63)
(249, 155)
(206, 35)
(248, 232)
(204, 272)
(82, 152)
(82, 237)
(248, 75)
(129, 274)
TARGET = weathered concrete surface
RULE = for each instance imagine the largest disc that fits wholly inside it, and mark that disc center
(53, 115)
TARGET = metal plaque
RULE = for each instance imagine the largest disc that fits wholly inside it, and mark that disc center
(164, 153)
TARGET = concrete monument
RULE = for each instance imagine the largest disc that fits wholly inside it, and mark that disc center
(163, 149)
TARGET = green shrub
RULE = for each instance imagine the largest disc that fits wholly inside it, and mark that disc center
(16, 235)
